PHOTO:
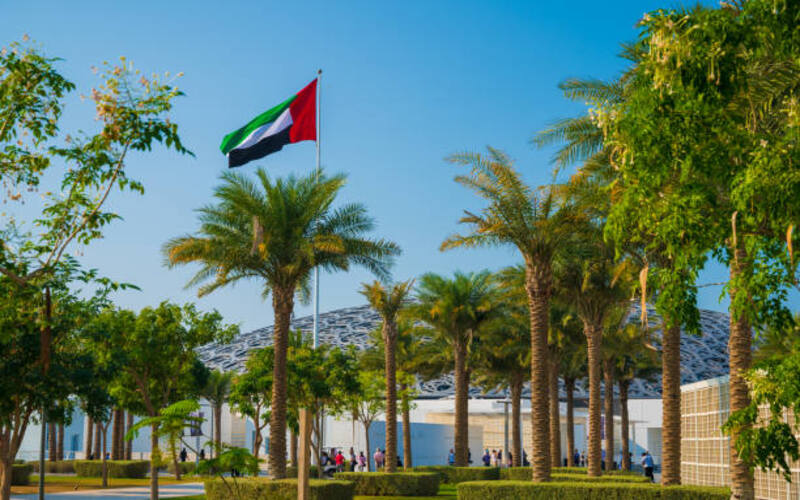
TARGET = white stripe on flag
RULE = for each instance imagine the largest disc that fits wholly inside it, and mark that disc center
(281, 123)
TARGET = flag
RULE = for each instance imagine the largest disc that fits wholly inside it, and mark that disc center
(293, 120)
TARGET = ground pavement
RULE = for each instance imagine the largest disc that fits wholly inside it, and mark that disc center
(133, 493)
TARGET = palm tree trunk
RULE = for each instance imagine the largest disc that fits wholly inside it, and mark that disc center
(462, 405)
(218, 429)
(283, 304)
(407, 459)
(390, 339)
(623, 412)
(594, 336)
(60, 443)
(537, 285)
(569, 388)
(129, 444)
(154, 455)
(739, 347)
(51, 441)
(293, 448)
(555, 415)
(115, 435)
(516, 419)
(671, 405)
(98, 438)
(608, 393)
(89, 436)
(105, 462)
(369, 450)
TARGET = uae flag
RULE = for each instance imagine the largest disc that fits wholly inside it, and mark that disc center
(293, 120)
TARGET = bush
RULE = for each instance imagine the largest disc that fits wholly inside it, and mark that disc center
(524, 474)
(404, 484)
(291, 471)
(523, 490)
(252, 488)
(21, 474)
(584, 470)
(185, 467)
(130, 469)
(455, 475)
(59, 467)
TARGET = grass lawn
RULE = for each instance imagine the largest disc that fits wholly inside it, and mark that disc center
(60, 483)
(446, 492)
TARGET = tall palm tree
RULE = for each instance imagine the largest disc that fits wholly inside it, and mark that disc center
(216, 393)
(456, 310)
(531, 221)
(572, 368)
(276, 231)
(387, 302)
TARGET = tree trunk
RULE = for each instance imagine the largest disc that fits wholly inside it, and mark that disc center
(461, 405)
(154, 459)
(89, 436)
(623, 413)
(115, 434)
(293, 448)
(177, 465)
(5, 478)
(671, 405)
(555, 415)
(594, 336)
(608, 394)
(218, 430)
(407, 459)
(569, 388)
(516, 419)
(369, 450)
(51, 441)
(129, 444)
(60, 443)
(390, 339)
(739, 347)
(98, 440)
(105, 463)
(537, 285)
(283, 304)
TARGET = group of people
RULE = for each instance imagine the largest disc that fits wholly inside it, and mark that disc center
(337, 461)
(184, 454)
(490, 459)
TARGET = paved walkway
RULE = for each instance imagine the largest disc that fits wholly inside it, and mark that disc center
(135, 493)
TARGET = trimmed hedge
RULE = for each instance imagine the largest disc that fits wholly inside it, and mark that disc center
(185, 467)
(21, 474)
(251, 488)
(524, 490)
(524, 474)
(58, 467)
(129, 469)
(584, 470)
(291, 472)
(403, 484)
(455, 475)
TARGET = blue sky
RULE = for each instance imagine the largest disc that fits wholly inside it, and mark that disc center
(404, 85)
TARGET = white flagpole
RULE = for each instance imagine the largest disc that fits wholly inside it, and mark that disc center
(316, 269)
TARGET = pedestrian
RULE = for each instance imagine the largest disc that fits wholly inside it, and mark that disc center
(649, 465)
(583, 458)
(493, 459)
(378, 457)
(486, 458)
(525, 461)
(353, 459)
(202, 453)
(451, 457)
(362, 462)
(339, 459)
(603, 459)
(499, 458)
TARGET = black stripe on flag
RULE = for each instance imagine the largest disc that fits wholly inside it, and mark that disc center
(267, 145)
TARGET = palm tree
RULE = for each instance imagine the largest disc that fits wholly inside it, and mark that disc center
(276, 232)
(216, 393)
(455, 310)
(531, 221)
(572, 367)
(387, 302)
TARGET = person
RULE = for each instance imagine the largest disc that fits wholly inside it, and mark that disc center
(378, 457)
(525, 462)
(603, 459)
(362, 462)
(583, 458)
(202, 453)
(469, 456)
(451, 457)
(649, 465)
(576, 458)
(353, 460)
(399, 462)
(486, 458)
(339, 459)
(91, 456)
(499, 458)
(493, 459)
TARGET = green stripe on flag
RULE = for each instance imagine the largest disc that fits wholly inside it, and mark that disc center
(235, 138)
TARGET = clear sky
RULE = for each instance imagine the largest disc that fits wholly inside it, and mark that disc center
(404, 85)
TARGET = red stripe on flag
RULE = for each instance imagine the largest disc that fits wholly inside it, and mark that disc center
(304, 114)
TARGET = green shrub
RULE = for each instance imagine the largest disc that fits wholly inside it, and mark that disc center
(291, 471)
(455, 475)
(523, 490)
(259, 488)
(58, 467)
(21, 474)
(404, 484)
(584, 470)
(185, 467)
(524, 474)
(130, 469)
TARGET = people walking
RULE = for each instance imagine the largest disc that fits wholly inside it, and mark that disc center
(362, 462)
(378, 457)
(486, 458)
(339, 459)
(451, 457)
(183, 455)
(353, 459)
(648, 465)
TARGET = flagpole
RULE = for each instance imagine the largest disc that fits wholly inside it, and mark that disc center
(316, 269)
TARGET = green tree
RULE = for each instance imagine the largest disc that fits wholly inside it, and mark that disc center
(367, 404)
(456, 310)
(531, 221)
(387, 301)
(216, 393)
(153, 360)
(252, 391)
(276, 232)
